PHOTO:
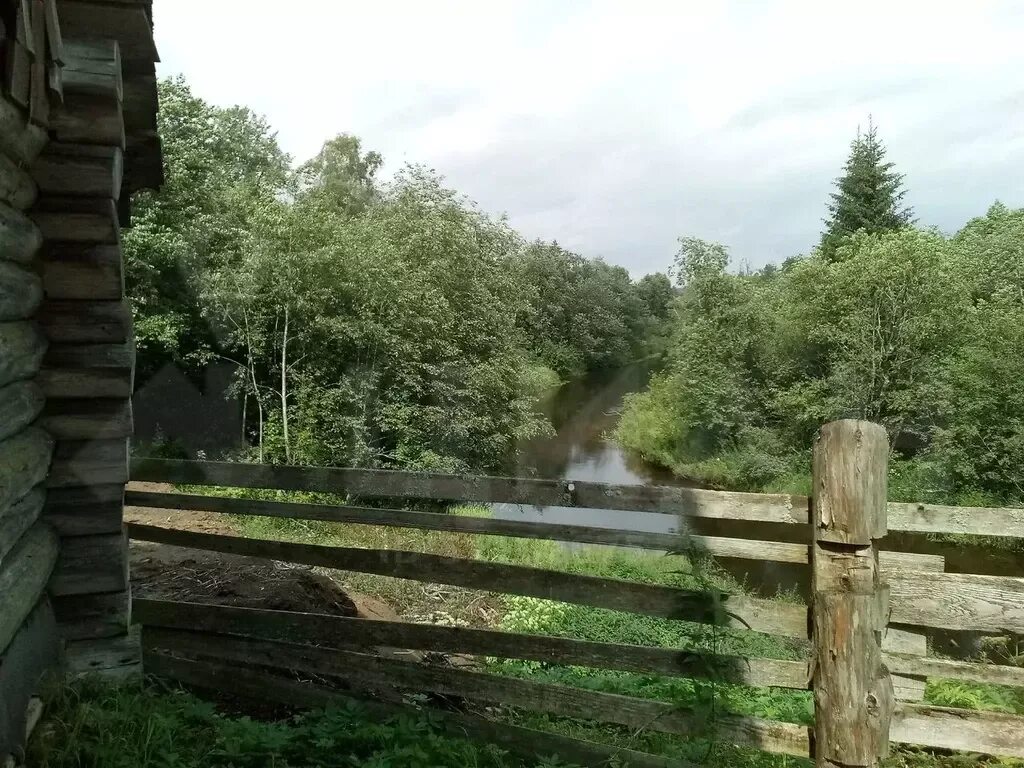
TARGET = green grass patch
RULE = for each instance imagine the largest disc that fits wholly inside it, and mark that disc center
(91, 725)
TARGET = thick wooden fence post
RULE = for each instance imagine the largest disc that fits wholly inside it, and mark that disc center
(853, 695)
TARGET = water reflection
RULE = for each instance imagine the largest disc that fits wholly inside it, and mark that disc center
(584, 413)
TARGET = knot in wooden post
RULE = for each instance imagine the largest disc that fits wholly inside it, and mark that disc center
(853, 696)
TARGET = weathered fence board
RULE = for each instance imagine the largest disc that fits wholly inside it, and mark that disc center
(958, 601)
(339, 631)
(692, 544)
(925, 666)
(978, 521)
(249, 683)
(738, 611)
(991, 733)
(691, 502)
(373, 672)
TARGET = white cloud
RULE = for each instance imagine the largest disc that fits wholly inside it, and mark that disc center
(615, 127)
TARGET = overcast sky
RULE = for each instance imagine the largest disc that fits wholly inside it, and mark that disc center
(616, 127)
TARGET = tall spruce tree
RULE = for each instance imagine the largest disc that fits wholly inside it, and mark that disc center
(869, 194)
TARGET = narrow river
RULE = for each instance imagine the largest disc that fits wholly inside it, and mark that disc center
(584, 413)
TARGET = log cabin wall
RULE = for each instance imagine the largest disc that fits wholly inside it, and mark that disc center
(29, 641)
(77, 137)
(103, 147)
(87, 370)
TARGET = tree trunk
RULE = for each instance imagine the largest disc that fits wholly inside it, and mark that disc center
(284, 389)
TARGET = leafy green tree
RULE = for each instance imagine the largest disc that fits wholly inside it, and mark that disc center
(221, 165)
(341, 175)
(869, 195)
(980, 442)
(877, 323)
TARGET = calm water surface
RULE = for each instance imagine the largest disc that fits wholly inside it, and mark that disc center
(584, 413)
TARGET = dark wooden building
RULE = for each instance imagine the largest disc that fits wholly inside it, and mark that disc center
(77, 138)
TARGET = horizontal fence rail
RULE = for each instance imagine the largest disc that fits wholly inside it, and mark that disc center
(691, 502)
(251, 650)
(718, 546)
(736, 611)
(378, 673)
(325, 646)
(342, 631)
(263, 686)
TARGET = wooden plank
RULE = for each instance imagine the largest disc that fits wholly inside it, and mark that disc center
(85, 511)
(109, 356)
(39, 97)
(704, 545)
(739, 612)
(692, 502)
(20, 403)
(21, 292)
(33, 654)
(374, 672)
(958, 601)
(24, 461)
(84, 419)
(95, 78)
(344, 632)
(127, 24)
(80, 169)
(87, 322)
(962, 730)
(111, 658)
(778, 508)
(978, 521)
(140, 103)
(391, 484)
(902, 562)
(97, 463)
(906, 687)
(81, 271)
(54, 36)
(22, 346)
(20, 46)
(260, 686)
(20, 238)
(23, 576)
(17, 189)
(90, 565)
(89, 119)
(64, 383)
(81, 617)
(77, 219)
(19, 139)
(949, 669)
(18, 518)
(853, 694)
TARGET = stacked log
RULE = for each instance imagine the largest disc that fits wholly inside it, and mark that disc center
(87, 370)
(28, 546)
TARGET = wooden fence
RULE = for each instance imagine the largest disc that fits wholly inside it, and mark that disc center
(862, 634)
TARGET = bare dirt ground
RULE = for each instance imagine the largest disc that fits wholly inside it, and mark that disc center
(175, 573)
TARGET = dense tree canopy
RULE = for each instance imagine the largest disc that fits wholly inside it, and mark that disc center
(919, 332)
(373, 323)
